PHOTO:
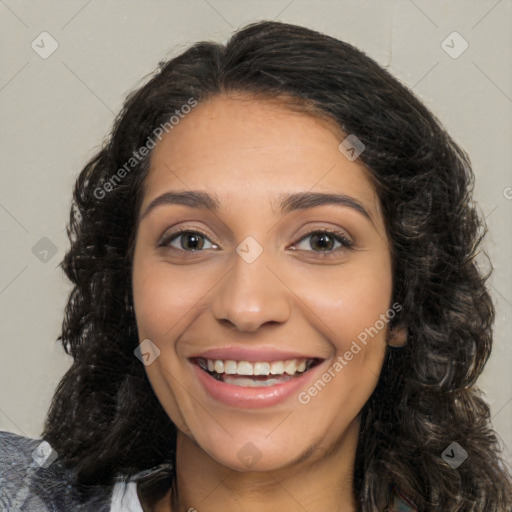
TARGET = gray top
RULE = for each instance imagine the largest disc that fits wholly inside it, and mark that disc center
(32, 479)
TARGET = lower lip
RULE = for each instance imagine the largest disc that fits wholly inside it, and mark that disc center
(252, 397)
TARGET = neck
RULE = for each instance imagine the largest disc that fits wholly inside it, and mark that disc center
(318, 481)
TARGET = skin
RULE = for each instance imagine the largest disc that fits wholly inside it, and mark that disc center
(248, 151)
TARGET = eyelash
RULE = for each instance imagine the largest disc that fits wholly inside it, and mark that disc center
(339, 236)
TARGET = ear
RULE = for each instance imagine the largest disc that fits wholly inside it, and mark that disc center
(397, 337)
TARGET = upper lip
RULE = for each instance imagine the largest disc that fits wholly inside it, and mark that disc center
(251, 354)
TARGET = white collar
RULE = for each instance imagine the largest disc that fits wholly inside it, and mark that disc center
(125, 498)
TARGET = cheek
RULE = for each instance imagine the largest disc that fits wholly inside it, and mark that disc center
(350, 300)
(352, 306)
(163, 297)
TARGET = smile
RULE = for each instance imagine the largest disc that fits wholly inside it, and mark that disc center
(254, 374)
(256, 383)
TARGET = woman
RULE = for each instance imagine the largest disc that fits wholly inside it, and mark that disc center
(276, 301)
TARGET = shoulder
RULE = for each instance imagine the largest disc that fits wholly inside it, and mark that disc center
(33, 478)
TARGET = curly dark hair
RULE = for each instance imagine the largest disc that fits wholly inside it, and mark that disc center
(105, 418)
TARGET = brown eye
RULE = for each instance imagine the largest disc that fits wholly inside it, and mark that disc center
(186, 240)
(325, 241)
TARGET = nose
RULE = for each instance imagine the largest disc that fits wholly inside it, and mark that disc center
(250, 296)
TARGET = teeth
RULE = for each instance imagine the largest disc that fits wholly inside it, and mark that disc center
(290, 367)
(245, 368)
(277, 368)
(230, 367)
(261, 368)
(247, 382)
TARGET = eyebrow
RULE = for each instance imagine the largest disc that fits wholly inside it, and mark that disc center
(287, 202)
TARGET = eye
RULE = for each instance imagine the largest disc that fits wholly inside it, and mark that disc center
(321, 241)
(324, 241)
(186, 240)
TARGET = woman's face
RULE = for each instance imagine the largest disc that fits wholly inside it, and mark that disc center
(249, 290)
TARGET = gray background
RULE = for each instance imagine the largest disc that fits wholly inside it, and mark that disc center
(55, 112)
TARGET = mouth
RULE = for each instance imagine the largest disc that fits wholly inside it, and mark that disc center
(252, 374)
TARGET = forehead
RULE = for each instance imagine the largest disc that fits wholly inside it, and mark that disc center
(253, 150)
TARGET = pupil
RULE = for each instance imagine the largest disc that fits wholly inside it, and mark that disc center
(321, 238)
(195, 241)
